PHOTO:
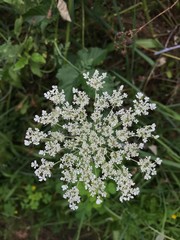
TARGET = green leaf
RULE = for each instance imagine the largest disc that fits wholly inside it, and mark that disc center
(18, 26)
(92, 57)
(169, 74)
(148, 43)
(108, 86)
(35, 68)
(68, 77)
(38, 58)
(38, 10)
(85, 209)
(145, 57)
(28, 44)
(14, 2)
(82, 189)
(9, 52)
(111, 188)
(14, 77)
(24, 108)
(23, 61)
(9, 209)
(46, 198)
(168, 111)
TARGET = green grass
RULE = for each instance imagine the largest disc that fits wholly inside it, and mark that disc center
(37, 210)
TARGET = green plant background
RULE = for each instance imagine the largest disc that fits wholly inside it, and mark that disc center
(39, 49)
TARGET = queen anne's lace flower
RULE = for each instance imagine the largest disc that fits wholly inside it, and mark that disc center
(96, 80)
(94, 148)
(43, 171)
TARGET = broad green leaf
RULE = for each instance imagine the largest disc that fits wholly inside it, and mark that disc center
(92, 57)
(9, 52)
(82, 189)
(23, 61)
(35, 68)
(108, 85)
(84, 209)
(68, 77)
(38, 58)
(35, 11)
(98, 55)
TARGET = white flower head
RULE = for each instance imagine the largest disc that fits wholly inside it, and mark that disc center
(44, 170)
(98, 200)
(34, 164)
(94, 147)
(55, 96)
(96, 81)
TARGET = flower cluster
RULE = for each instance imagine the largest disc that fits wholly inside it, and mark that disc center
(94, 148)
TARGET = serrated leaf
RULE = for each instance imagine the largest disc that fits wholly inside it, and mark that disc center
(38, 58)
(23, 61)
(37, 10)
(92, 56)
(68, 77)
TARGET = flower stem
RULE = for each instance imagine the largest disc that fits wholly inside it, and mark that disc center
(64, 58)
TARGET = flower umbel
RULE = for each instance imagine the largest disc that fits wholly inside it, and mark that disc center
(94, 148)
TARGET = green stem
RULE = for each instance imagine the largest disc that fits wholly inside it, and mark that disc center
(83, 24)
(68, 28)
(145, 6)
(64, 58)
(80, 227)
(113, 213)
(156, 231)
(3, 37)
(128, 9)
(133, 48)
(56, 29)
